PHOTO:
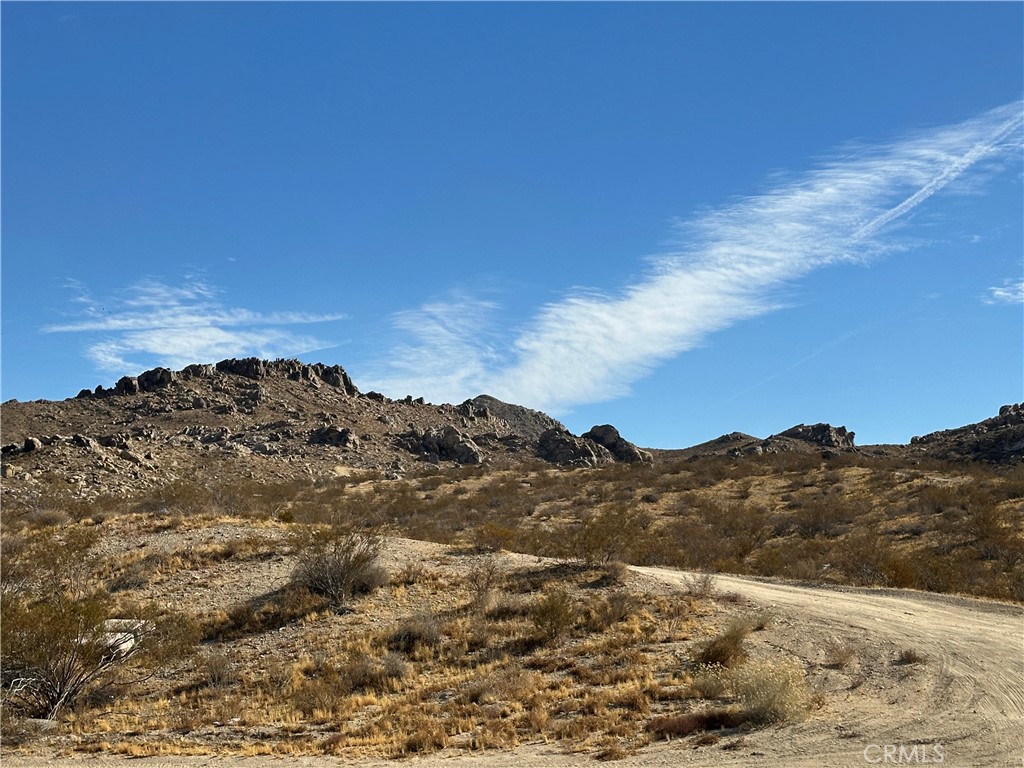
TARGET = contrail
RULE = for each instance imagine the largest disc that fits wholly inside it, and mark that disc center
(959, 165)
(590, 346)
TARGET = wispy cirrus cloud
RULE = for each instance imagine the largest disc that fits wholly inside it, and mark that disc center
(592, 346)
(1010, 292)
(154, 323)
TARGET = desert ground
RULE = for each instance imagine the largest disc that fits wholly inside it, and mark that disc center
(961, 705)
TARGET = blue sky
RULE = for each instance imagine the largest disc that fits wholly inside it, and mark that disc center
(680, 218)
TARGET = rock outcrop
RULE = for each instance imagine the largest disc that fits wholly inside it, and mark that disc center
(444, 444)
(342, 437)
(824, 435)
(998, 440)
(620, 448)
(559, 446)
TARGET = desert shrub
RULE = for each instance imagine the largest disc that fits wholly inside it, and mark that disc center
(493, 536)
(616, 572)
(607, 611)
(423, 735)
(709, 682)
(700, 584)
(911, 656)
(364, 673)
(771, 692)
(218, 671)
(554, 614)
(691, 543)
(420, 631)
(610, 534)
(824, 515)
(725, 649)
(839, 655)
(761, 619)
(337, 563)
(511, 684)
(60, 639)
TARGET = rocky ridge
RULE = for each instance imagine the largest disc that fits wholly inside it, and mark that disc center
(282, 420)
(270, 420)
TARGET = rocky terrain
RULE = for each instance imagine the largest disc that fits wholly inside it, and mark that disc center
(523, 602)
(280, 420)
(270, 420)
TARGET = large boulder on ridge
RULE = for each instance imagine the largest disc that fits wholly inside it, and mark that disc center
(621, 449)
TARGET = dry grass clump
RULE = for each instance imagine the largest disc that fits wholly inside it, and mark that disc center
(715, 718)
(840, 655)
(417, 633)
(771, 692)
(911, 656)
(725, 649)
(710, 682)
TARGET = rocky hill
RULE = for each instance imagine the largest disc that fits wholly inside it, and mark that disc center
(283, 419)
(998, 440)
(269, 420)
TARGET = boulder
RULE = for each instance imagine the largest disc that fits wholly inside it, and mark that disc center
(343, 437)
(249, 367)
(32, 444)
(559, 446)
(127, 385)
(158, 378)
(442, 444)
(621, 449)
(451, 445)
(197, 371)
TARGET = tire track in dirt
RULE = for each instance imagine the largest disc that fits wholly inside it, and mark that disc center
(970, 696)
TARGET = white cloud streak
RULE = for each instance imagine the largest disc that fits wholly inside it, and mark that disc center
(590, 347)
(179, 325)
(1010, 292)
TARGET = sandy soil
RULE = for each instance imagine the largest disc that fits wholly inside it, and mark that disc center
(964, 706)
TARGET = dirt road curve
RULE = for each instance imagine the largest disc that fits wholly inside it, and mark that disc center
(963, 707)
(968, 697)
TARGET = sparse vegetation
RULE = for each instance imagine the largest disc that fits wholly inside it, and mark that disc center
(771, 692)
(911, 656)
(725, 649)
(337, 563)
(313, 647)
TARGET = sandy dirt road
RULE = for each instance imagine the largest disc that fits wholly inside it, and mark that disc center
(964, 706)
(968, 697)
